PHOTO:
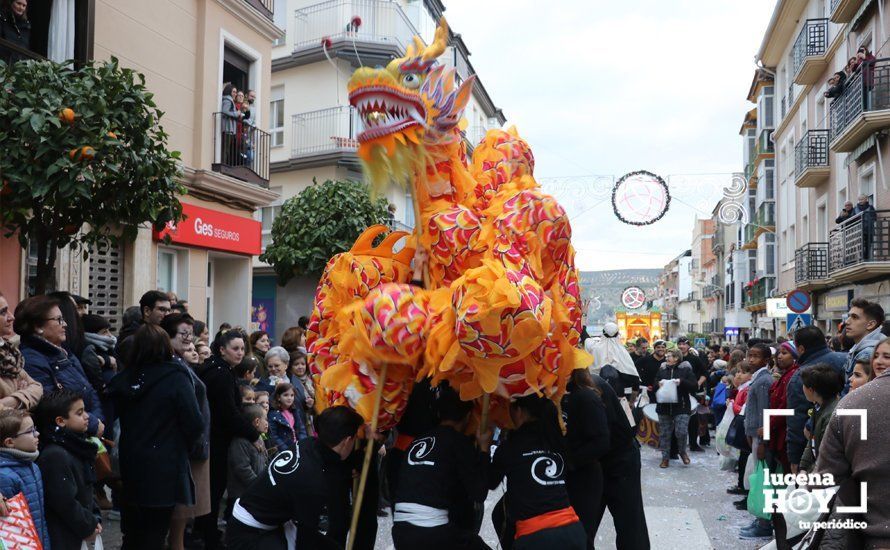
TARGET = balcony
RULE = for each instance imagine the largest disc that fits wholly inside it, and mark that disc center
(863, 108)
(240, 150)
(11, 52)
(749, 237)
(811, 159)
(811, 266)
(265, 7)
(756, 295)
(323, 137)
(843, 11)
(860, 247)
(765, 218)
(367, 32)
(809, 55)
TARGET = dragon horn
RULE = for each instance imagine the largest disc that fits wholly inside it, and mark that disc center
(440, 41)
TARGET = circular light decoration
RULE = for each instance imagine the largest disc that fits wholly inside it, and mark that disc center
(633, 297)
(640, 198)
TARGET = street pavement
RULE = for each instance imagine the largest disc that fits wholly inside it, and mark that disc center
(687, 508)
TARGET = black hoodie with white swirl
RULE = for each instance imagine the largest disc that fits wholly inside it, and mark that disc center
(535, 474)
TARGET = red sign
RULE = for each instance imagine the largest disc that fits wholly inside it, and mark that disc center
(799, 301)
(208, 228)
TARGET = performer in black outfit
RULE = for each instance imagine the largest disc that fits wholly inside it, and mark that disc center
(533, 461)
(441, 477)
(288, 501)
(621, 476)
(587, 436)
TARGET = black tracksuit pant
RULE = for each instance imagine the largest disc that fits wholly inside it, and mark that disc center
(585, 487)
(623, 496)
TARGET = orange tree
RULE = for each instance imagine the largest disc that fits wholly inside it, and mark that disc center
(83, 159)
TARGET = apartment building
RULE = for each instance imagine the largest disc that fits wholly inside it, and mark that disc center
(758, 236)
(829, 151)
(186, 49)
(733, 270)
(675, 282)
(313, 128)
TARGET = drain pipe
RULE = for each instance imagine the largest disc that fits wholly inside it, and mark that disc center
(878, 137)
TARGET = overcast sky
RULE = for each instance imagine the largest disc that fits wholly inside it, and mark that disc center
(603, 88)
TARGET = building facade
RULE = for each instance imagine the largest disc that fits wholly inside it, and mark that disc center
(187, 50)
(314, 129)
(830, 150)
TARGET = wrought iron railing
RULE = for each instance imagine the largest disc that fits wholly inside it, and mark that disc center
(324, 131)
(810, 262)
(750, 232)
(240, 149)
(811, 151)
(861, 239)
(266, 7)
(867, 90)
(374, 21)
(812, 41)
(834, 4)
(790, 95)
(760, 291)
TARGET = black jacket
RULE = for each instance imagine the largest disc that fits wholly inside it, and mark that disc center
(16, 30)
(535, 473)
(442, 469)
(624, 450)
(688, 384)
(296, 486)
(587, 428)
(160, 423)
(125, 342)
(66, 464)
(224, 398)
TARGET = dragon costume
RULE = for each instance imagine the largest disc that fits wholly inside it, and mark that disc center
(500, 309)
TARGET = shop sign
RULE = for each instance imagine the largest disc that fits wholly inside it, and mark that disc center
(777, 308)
(206, 228)
(838, 301)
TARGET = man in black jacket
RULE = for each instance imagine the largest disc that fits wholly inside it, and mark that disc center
(441, 476)
(282, 509)
(701, 374)
(622, 492)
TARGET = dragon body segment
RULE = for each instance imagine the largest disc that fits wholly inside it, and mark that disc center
(500, 313)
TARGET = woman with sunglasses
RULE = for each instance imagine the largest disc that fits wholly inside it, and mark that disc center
(39, 322)
(17, 389)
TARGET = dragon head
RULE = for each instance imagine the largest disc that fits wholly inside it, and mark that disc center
(408, 107)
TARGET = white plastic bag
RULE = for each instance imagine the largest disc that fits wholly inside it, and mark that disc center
(667, 393)
(95, 545)
(643, 399)
(723, 447)
(728, 464)
(749, 469)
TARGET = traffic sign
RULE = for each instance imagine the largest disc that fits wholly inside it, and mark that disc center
(797, 321)
(700, 342)
(799, 301)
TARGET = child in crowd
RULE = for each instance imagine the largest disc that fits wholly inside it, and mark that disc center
(18, 472)
(66, 464)
(822, 386)
(203, 350)
(190, 354)
(261, 398)
(285, 425)
(741, 381)
(301, 372)
(862, 373)
(246, 462)
(248, 397)
(244, 372)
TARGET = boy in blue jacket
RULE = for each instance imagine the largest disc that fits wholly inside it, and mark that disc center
(18, 472)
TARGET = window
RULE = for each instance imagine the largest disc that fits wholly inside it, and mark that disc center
(279, 17)
(166, 271)
(267, 217)
(822, 222)
(276, 112)
(867, 183)
(805, 229)
(409, 209)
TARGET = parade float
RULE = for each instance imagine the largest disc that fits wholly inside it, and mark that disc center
(498, 313)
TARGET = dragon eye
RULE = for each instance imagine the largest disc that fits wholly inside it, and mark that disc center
(411, 80)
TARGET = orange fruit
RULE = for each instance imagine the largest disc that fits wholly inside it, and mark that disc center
(73, 153)
(87, 153)
(112, 135)
(66, 115)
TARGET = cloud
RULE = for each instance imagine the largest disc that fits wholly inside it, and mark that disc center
(607, 88)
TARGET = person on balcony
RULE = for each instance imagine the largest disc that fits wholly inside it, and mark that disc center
(863, 205)
(836, 84)
(15, 27)
(850, 67)
(846, 213)
(230, 118)
(866, 211)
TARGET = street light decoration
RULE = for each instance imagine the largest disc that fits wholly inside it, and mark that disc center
(640, 198)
